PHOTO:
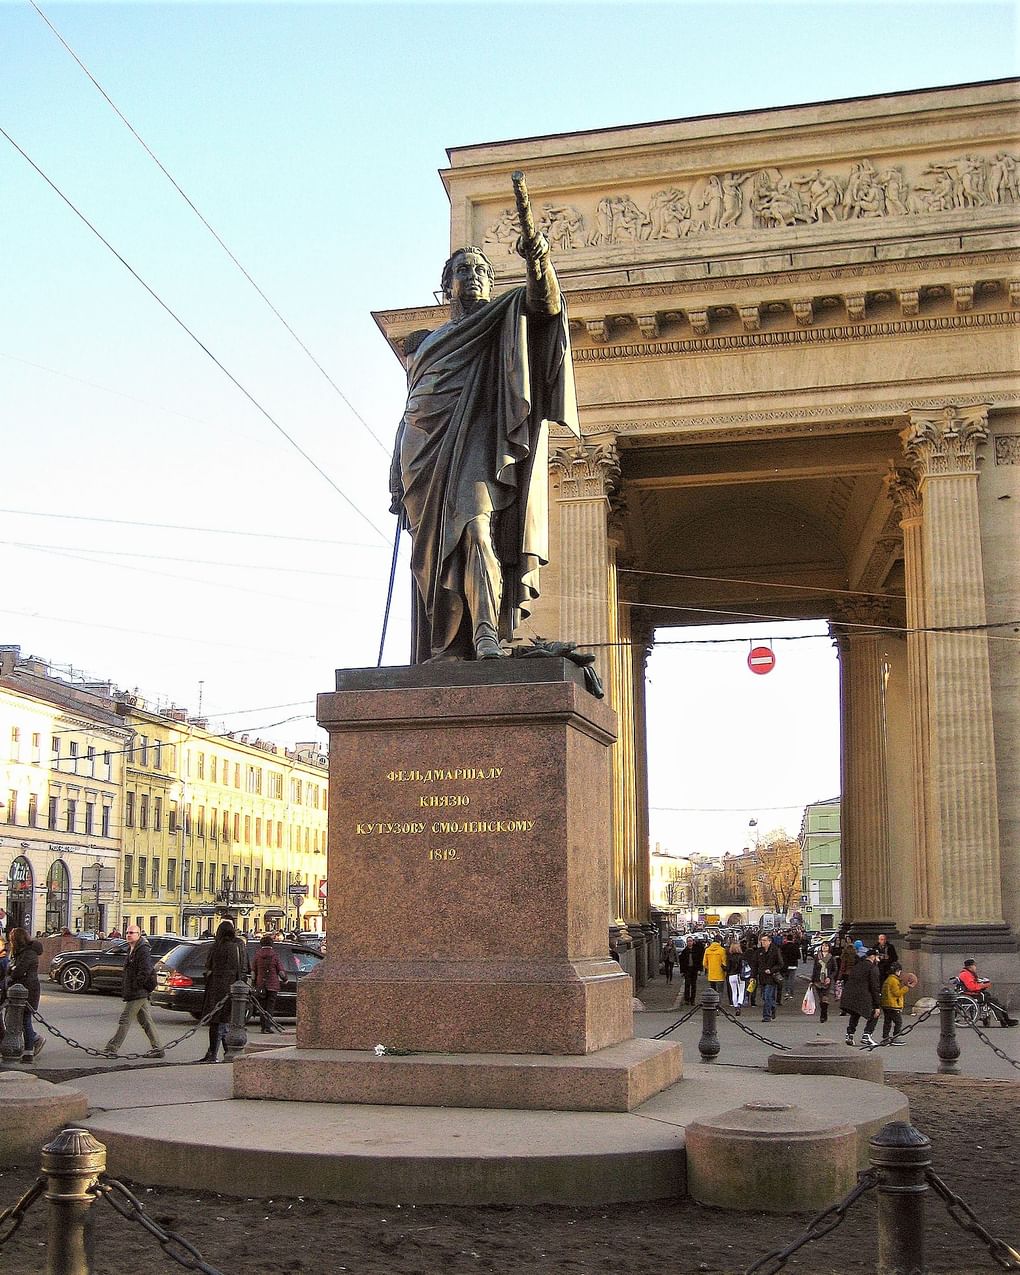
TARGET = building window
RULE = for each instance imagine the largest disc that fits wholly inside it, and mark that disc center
(186, 877)
(144, 748)
(72, 749)
(72, 813)
(104, 830)
(213, 764)
(108, 761)
(12, 806)
(279, 882)
(90, 818)
(142, 865)
(201, 765)
(247, 830)
(157, 814)
(33, 809)
(187, 820)
(143, 810)
(51, 813)
(276, 785)
(171, 875)
(129, 810)
(55, 748)
(258, 831)
(58, 896)
(237, 827)
(214, 824)
(246, 880)
(226, 826)
(199, 872)
(129, 864)
(37, 748)
(15, 744)
(200, 826)
(90, 755)
(157, 754)
(223, 876)
(155, 875)
(256, 880)
(153, 922)
(172, 818)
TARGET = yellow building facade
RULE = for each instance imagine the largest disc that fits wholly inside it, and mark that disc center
(62, 752)
(220, 825)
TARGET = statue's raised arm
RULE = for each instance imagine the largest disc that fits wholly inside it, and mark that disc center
(542, 285)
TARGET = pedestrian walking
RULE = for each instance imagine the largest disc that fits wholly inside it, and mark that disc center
(862, 997)
(714, 964)
(770, 976)
(823, 975)
(689, 965)
(269, 976)
(226, 964)
(24, 969)
(736, 974)
(138, 981)
(790, 951)
(668, 959)
(894, 995)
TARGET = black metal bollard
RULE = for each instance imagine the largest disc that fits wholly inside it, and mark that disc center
(901, 1155)
(13, 1045)
(71, 1164)
(948, 1049)
(237, 1033)
(708, 1045)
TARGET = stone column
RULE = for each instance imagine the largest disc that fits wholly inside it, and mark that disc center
(901, 484)
(961, 816)
(585, 476)
(864, 810)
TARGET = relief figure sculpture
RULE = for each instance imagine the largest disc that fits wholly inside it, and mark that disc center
(469, 473)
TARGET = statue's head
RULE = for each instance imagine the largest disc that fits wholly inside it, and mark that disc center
(468, 277)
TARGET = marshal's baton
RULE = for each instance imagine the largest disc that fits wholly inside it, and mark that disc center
(528, 232)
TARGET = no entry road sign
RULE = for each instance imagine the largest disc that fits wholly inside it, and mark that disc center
(762, 659)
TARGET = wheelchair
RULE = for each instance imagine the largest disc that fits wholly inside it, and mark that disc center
(968, 1009)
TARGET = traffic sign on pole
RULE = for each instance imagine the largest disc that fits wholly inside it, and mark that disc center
(762, 659)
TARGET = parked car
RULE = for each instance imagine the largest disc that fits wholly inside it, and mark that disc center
(180, 976)
(102, 969)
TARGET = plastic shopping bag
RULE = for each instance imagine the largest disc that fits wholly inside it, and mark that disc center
(807, 1005)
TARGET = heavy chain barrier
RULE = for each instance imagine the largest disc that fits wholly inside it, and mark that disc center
(821, 1224)
(101, 1053)
(12, 1218)
(962, 1214)
(881, 1044)
(993, 1046)
(175, 1246)
(679, 1023)
(738, 1022)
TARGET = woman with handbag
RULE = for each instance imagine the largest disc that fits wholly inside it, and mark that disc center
(823, 975)
(269, 978)
(736, 963)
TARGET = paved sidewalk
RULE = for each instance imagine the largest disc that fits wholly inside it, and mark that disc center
(915, 1054)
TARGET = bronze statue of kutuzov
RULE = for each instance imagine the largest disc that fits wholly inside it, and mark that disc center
(470, 465)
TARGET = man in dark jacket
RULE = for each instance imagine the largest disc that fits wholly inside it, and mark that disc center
(862, 997)
(790, 951)
(139, 981)
(24, 969)
(688, 962)
(887, 956)
(770, 977)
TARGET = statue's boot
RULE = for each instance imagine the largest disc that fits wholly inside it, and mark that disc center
(487, 645)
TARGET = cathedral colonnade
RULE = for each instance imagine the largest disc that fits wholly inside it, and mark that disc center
(793, 333)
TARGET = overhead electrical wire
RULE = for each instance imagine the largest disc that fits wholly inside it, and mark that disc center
(761, 584)
(201, 345)
(209, 531)
(176, 185)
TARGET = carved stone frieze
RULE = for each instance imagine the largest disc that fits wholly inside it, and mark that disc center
(585, 470)
(770, 199)
(946, 441)
(1007, 449)
(804, 312)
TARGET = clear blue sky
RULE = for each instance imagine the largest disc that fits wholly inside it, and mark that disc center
(310, 136)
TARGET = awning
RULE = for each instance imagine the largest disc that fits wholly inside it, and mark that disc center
(274, 912)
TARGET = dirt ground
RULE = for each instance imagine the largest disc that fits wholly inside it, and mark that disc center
(974, 1126)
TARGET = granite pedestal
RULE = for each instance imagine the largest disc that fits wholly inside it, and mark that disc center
(469, 840)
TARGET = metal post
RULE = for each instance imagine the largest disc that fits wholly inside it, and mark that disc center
(708, 1045)
(901, 1155)
(14, 1023)
(71, 1163)
(948, 1049)
(237, 1034)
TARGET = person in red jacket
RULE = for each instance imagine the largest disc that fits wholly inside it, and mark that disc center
(978, 987)
(269, 975)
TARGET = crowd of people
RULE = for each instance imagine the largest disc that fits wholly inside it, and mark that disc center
(866, 984)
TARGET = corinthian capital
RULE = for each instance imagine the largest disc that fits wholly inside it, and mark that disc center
(859, 618)
(586, 470)
(901, 488)
(945, 441)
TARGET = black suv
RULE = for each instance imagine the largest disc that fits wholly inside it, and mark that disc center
(180, 975)
(102, 969)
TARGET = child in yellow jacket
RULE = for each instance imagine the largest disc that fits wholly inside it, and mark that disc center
(894, 995)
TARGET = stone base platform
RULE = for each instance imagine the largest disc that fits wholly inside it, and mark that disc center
(618, 1078)
(152, 1125)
